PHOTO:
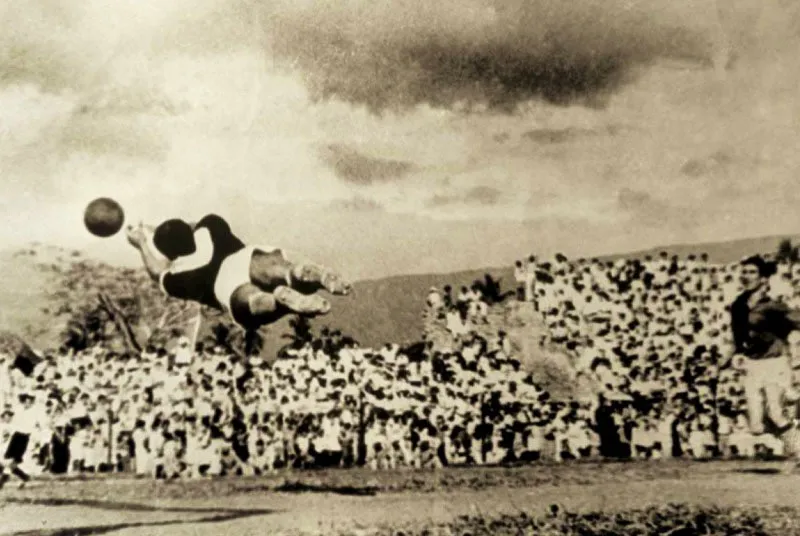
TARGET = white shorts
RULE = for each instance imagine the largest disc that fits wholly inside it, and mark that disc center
(235, 272)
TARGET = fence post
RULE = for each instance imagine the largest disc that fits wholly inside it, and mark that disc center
(110, 450)
(484, 440)
(360, 447)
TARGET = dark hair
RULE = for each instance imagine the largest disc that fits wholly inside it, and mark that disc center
(765, 268)
(174, 238)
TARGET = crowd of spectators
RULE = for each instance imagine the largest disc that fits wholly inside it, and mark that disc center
(655, 333)
(328, 402)
(652, 336)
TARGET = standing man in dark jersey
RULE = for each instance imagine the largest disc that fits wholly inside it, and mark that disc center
(206, 263)
(761, 328)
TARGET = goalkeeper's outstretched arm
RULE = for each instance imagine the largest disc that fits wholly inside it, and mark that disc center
(142, 239)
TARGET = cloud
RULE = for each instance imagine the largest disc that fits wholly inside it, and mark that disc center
(718, 163)
(496, 53)
(551, 135)
(642, 206)
(38, 45)
(441, 200)
(629, 199)
(486, 196)
(483, 195)
(564, 135)
(351, 166)
(357, 204)
(223, 106)
(108, 137)
(87, 44)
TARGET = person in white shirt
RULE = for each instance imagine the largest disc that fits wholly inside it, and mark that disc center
(741, 440)
(534, 439)
(259, 462)
(156, 442)
(171, 455)
(23, 425)
(578, 437)
(434, 300)
(455, 323)
(699, 440)
(184, 353)
(530, 280)
(724, 431)
(396, 433)
(477, 308)
(521, 279)
(376, 441)
(329, 445)
(665, 433)
(141, 452)
(202, 455)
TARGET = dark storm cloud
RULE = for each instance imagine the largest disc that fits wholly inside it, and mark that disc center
(497, 53)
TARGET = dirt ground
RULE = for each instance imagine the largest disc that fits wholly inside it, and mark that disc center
(329, 504)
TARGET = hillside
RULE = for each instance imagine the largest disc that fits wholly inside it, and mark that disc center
(390, 309)
(719, 252)
(379, 311)
(24, 292)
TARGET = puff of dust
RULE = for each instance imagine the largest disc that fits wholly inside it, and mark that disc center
(395, 55)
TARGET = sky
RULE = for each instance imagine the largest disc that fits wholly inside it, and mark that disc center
(405, 136)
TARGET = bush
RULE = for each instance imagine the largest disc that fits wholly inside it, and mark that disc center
(672, 519)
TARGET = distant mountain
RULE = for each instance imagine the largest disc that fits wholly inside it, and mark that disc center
(719, 252)
(390, 309)
(378, 311)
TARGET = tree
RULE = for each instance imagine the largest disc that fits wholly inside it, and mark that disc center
(300, 335)
(119, 308)
(787, 252)
(20, 355)
(224, 333)
(123, 309)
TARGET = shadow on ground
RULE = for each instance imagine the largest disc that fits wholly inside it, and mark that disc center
(304, 487)
(759, 470)
(214, 515)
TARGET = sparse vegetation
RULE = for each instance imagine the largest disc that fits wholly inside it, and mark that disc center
(365, 481)
(667, 520)
(543, 499)
(123, 309)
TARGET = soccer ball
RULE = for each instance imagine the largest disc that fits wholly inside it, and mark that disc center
(104, 217)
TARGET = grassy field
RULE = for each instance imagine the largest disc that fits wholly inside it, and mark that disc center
(677, 498)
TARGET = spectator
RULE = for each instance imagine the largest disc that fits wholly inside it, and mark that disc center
(649, 334)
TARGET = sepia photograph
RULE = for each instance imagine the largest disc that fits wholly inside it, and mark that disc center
(400, 267)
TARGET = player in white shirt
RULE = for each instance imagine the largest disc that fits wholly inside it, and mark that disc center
(141, 452)
(23, 425)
